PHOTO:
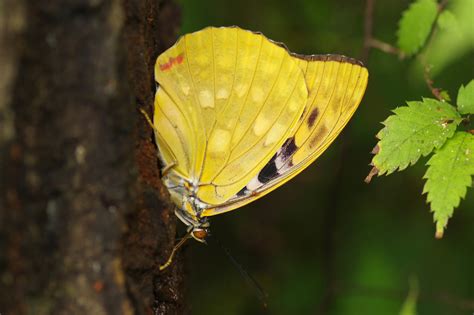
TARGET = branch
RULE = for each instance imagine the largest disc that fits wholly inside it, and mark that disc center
(371, 42)
(429, 82)
(368, 28)
(385, 47)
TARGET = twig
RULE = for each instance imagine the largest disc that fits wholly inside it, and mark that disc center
(442, 5)
(386, 48)
(422, 56)
(370, 41)
(429, 82)
(368, 27)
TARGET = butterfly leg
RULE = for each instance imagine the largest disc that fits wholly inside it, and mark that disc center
(167, 168)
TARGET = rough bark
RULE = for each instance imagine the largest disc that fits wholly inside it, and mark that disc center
(151, 28)
(81, 222)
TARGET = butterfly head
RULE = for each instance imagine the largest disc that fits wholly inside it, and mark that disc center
(200, 234)
(198, 227)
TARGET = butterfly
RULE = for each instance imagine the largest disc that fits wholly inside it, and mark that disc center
(237, 115)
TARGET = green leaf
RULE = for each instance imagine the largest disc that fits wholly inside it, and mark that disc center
(416, 24)
(458, 38)
(445, 95)
(466, 98)
(413, 131)
(448, 176)
(447, 21)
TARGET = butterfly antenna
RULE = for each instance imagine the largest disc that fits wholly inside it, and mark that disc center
(147, 118)
(175, 249)
(257, 288)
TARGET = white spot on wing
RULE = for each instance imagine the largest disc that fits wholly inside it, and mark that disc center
(282, 165)
(222, 94)
(219, 141)
(261, 125)
(279, 160)
(254, 184)
(206, 99)
(274, 134)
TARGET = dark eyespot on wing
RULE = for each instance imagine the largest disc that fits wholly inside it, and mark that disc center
(303, 114)
(243, 192)
(317, 137)
(312, 117)
(269, 171)
(288, 148)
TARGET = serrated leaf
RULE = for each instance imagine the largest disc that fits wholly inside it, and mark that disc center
(445, 95)
(416, 24)
(448, 176)
(465, 99)
(413, 131)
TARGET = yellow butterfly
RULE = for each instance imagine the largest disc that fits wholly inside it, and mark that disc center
(236, 115)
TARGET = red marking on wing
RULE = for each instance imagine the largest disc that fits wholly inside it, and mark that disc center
(172, 61)
(165, 66)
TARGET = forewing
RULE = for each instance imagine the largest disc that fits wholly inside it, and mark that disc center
(336, 85)
(236, 97)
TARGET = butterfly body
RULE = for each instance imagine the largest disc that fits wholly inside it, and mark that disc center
(237, 115)
(183, 193)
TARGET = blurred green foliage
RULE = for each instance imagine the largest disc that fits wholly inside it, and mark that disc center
(416, 24)
(326, 242)
(409, 306)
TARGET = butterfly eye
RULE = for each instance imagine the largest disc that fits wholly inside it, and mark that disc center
(200, 234)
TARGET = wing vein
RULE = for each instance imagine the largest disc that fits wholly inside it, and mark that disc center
(241, 109)
(279, 115)
(180, 135)
(261, 108)
(325, 109)
(228, 99)
(353, 91)
(196, 140)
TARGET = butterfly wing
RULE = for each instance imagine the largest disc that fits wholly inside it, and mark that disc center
(228, 99)
(337, 85)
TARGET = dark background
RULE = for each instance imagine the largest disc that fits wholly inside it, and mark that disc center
(326, 242)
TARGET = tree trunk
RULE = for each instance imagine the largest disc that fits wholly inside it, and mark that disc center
(82, 221)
